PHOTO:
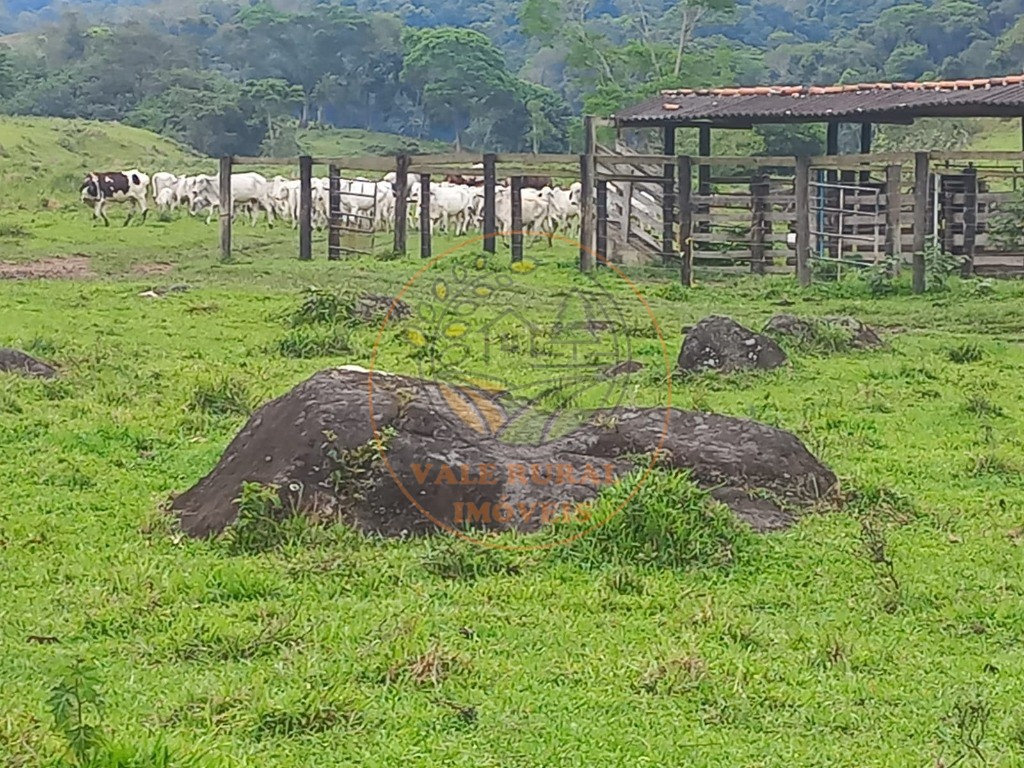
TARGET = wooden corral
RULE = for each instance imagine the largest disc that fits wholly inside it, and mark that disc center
(756, 214)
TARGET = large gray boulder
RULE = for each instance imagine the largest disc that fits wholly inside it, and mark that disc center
(443, 450)
(719, 343)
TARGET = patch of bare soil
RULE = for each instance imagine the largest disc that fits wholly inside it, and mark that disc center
(75, 267)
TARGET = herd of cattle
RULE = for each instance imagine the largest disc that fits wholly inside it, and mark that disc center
(455, 205)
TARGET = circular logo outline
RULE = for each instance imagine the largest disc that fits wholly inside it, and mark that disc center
(433, 261)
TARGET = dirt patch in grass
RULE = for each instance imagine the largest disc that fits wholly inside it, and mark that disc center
(75, 267)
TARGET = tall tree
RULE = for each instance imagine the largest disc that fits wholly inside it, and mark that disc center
(459, 72)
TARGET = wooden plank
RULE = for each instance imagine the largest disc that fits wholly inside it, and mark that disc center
(803, 221)
(528, 158)
(490, 203)
(425, 228)
(668, 194)
(609, 158)
(334, 198)
(380, 164)
(981, 156)
(401, 204)
(244, 160)
(587, 179)
(856, 162)
(684, 184)
(601, 233)
(970, 217)
(517, 219)
(922, 174)
(226, 208)
(305, 208)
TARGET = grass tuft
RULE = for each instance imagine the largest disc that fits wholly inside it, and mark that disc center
(662, 520)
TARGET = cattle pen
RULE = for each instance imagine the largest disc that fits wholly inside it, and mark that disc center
(811, 216)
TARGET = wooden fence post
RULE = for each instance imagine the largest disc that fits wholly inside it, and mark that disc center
(588, 170)
(226, 208)
(893, 221)
(922, 171)
(305, 208)
(425, 228)
(334, 215)
(803, 220)
(517, 218)
(401, 204)
(490, 197)
(601, 250)
(684, 182)
(668, 196)
(970, 219)
(759, 204)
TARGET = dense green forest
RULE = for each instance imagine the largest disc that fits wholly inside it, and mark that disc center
(503, 74)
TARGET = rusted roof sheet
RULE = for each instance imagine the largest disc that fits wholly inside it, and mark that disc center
(987, 97)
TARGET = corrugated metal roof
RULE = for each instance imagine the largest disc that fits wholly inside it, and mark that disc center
(987, 97)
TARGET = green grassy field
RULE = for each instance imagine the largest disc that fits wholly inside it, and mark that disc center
(330, 649)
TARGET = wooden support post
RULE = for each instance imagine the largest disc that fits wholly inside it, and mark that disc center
(588, 172)
(893, 222)
(758, 226)
(970, 219)
(832, 139)
(334, 217)
(684, 182)
(704, 175)
(401, 204)
(668, 197)
(922, 172)
(305, 208)
(832, 149)
(490, 196)
(865, 149)
(803, 220)
(425, 232)
(226, 208)
(601, 251)
(704, 171)
(517, 218)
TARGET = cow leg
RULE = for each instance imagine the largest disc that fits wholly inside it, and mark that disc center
(99, 213)
(145, 210)
(131, 211)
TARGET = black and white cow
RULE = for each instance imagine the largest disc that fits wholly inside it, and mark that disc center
(98, 189)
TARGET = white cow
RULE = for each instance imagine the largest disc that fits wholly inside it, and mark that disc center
(535, 212)
(165, 200)
(562, 211)
(245, 188)
(162, 181)
(450, 203)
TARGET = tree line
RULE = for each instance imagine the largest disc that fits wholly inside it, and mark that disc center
(508, 75)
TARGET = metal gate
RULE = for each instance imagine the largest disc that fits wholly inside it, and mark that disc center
(352, 221)
(848, 221)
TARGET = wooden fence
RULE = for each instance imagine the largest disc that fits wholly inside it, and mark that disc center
(758, 214)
